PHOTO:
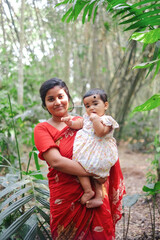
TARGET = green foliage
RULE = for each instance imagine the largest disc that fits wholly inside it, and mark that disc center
(150, 104)
(140, 17)
(152, 174)
(89, 8)
(28, 198)
(140, 130)
(152, 188)
(24, 195)
(148, 37)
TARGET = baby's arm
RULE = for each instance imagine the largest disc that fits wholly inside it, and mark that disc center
(77, 124)
(99, 128)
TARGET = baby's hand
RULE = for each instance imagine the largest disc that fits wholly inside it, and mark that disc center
(93, 116)
(67, 120)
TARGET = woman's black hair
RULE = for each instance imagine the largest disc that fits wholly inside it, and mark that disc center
(97, 91)
(51, 83)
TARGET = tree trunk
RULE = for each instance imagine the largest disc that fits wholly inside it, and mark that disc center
(20, 70)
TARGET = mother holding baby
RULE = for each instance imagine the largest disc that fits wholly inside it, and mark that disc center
(54, 139)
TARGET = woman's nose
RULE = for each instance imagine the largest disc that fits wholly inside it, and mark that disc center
(57, 101)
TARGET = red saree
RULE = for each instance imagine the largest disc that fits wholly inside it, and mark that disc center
(69, 219)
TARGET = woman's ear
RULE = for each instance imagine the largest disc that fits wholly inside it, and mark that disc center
(106, 105)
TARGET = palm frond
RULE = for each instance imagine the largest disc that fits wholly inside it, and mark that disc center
(16, 224)
(43, 202)
(14, 206)
(14, 196)
(31, 235)
(12, 187)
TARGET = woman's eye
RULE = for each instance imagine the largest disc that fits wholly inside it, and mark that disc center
(60, 97)
(50, 99)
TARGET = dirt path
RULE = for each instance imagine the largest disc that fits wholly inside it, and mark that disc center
(134, 168)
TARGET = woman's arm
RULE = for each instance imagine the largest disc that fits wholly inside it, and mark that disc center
(63, 164)
(99, 128)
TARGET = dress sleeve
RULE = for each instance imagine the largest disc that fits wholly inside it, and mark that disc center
(43, 140)
(109, 121)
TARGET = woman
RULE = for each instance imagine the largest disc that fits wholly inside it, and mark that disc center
(69, 219)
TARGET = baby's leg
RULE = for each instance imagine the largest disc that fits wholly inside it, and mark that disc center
(97, 201)
(88, 192)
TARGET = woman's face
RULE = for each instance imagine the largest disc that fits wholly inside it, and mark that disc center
(57, 102)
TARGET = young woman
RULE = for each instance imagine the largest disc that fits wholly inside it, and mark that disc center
(69, 219)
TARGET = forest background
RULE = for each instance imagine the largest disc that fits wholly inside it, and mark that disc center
(35, 46)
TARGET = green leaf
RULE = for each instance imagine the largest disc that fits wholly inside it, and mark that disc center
(45, 182)
(14, 206)
(148, 187)
(147, 37)
(146, 64)
(95, 14)
(43, 202)
(13, 187)
(13, 196)
(157, 187)
(44, 215)
(62, 3)
(130, 200)
(150, 21)
(41, 234)
(42, 191)
(85, 13)
(16, 224)
(67, 14)
(150, 104)
(142, 16)
(31, 235)
(152, 188)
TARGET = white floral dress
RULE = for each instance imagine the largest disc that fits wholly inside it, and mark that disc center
(96, 154)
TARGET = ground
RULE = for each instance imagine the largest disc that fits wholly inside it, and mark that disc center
(134, 167)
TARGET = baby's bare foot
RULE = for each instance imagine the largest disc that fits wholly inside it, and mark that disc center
(93, 203)
(87, 196)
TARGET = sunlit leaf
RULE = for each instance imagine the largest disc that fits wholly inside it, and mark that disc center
(147, 37)
(146, 64)
(150, 104)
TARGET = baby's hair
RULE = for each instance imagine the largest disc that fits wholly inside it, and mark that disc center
(96, 91)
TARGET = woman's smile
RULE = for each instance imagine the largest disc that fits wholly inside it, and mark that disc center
(57, 102)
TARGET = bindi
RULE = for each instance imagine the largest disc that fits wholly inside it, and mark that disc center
(94, 96)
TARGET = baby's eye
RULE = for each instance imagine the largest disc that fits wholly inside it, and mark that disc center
(87, 106)
(95, 104)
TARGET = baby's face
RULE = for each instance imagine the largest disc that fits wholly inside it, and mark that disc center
(94, 104)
